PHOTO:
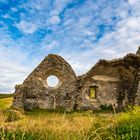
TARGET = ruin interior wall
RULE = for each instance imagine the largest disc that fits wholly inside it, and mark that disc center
(125, 69)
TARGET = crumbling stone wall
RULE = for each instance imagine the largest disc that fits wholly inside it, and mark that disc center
(119, 85)
(126, 70)
(106, 89)
(137, 91)
(35, 92)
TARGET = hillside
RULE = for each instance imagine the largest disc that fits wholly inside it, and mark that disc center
(5, 95)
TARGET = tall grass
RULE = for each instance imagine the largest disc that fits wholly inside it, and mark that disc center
(5, 103)
(44, 125)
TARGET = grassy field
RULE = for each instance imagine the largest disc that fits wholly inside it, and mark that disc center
(44, 125)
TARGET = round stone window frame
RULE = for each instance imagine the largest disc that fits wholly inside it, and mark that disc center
(52, 81)
(57, 86)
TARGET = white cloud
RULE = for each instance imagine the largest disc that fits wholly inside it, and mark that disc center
(58, 6)
(133, 22)
(12, 71)
(27, 27)
(125, 38)
(54, 20)
(13, 63)
(11, 74)
(52, 45)
(133, 1)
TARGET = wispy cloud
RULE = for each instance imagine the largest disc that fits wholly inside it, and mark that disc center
(133, 1)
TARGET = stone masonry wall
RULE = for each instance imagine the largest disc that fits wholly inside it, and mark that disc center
(72, 92)
(37, 94)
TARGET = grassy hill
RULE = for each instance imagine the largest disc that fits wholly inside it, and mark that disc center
(45, 125)
(5, 95)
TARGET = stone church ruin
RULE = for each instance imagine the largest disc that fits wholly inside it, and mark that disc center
(108, 83)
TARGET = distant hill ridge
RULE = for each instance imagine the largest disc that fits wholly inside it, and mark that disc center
(6, 95)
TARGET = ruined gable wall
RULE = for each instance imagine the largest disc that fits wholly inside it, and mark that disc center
(37, 94)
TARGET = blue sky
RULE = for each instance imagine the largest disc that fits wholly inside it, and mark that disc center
(81, 31)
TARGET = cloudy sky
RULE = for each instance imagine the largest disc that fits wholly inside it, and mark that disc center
(81, 31)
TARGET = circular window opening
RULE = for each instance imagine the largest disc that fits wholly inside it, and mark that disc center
(52, 81)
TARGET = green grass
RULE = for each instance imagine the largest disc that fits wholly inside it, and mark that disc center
(47, 125)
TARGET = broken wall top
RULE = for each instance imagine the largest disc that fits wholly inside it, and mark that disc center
(123, 68)
(52, 65)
